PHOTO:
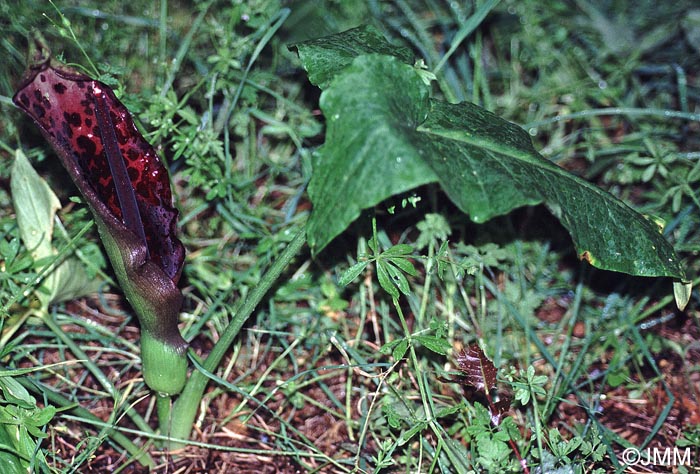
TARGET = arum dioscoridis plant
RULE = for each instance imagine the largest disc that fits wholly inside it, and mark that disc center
(127, 188)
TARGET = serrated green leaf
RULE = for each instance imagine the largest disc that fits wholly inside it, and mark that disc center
(351, 273)
(399, 250)
(398, 278)
(324, 57)
(405, 265)
(43, 415)
(32, 432)
(385, 280)
(411, 432)
(442, 263)
(432, 227)
(400, 349)
(372, 246)
(436, 344)
(378, 145)
(449, 410)
(393, 417)
(13, 392)
(389, 346)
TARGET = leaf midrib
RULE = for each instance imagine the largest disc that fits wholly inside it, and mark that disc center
(532, 158)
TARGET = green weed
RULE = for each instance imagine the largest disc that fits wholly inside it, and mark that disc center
(346, 364)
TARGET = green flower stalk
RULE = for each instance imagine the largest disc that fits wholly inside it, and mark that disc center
(127, 189)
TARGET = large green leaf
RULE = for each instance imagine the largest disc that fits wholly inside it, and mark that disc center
(324, 57)
(368, 155)
(385, 136)
(488, 167)
(36, 205)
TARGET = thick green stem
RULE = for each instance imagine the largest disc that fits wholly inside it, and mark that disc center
(164, 365)
(185, 407)
(164, 405)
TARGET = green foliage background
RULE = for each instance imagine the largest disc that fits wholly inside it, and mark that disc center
(608, 90)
